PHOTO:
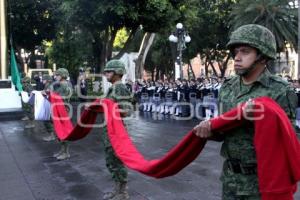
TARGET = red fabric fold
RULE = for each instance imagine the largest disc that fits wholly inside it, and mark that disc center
(175, 160)
(276, 144)
(63, 126)
(277, 147)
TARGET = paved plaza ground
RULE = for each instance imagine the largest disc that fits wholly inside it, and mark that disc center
(29, 172)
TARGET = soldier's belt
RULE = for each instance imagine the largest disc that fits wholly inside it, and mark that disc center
(235, 166)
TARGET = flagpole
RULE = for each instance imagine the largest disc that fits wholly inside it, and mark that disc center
(3, 40)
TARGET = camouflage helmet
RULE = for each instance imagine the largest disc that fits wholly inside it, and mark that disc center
(63, 72)
(26, 79)
(256, 36)
(47, 77)
(116, 66)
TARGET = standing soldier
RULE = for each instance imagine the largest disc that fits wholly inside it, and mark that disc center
(47, 85)
(114, 70)
(28, 107)
(62, 87)
(252, 46)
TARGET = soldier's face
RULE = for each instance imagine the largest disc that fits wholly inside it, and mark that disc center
(244, 57)
(57, 77)
(109, 76)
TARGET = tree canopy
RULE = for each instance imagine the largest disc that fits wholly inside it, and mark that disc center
(278, 15)
(103, 19)
(32, 21)
(80, 31)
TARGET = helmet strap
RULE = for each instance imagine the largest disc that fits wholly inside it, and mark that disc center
(116, 77)
(259, 58)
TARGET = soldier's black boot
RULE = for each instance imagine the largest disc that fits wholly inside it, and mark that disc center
(113, 193)
(122, 193)
(65, 153)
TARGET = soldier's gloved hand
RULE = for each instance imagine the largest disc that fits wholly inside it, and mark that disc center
(44, 93)
(203, 129)
(248, 109)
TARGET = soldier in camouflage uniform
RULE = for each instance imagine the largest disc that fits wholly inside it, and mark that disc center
(62, 87)
(114, 71)
(47, 83)
(28, 108)
(251, 46)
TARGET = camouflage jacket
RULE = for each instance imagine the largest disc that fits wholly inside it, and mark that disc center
(238, 143)
(27, 87)
(48, 87)
(64, 89)
(120, 94)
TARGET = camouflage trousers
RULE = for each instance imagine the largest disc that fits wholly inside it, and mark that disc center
(230, 194)
(49, 126)
(28, 110)
(113, 163)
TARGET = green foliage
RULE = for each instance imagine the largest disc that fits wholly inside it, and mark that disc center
(158, 15)
(84, 31)
(209, 30)
(71, 49)
(121, 38)
(31, 22)
(207, 24)
(103, 19)
(277, 15)
(160, 57)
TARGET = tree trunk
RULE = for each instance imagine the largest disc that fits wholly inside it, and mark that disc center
(206, 67)
(162, 74)
(112, 36)
(191, 67)
(97, 50)
(152, 74)
(144, 49)
(103, 55)
(157, 74)
(213, 68)
(224, 66)
(210, 54)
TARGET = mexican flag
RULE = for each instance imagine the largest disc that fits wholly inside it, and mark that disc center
(15, 75)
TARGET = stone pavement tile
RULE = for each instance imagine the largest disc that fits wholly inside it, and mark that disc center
(15, 187)
(84, 176)
(16, 196)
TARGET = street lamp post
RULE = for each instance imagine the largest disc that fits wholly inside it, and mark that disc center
(181, 37)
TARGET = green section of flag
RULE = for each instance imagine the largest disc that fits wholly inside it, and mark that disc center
(15, 75)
